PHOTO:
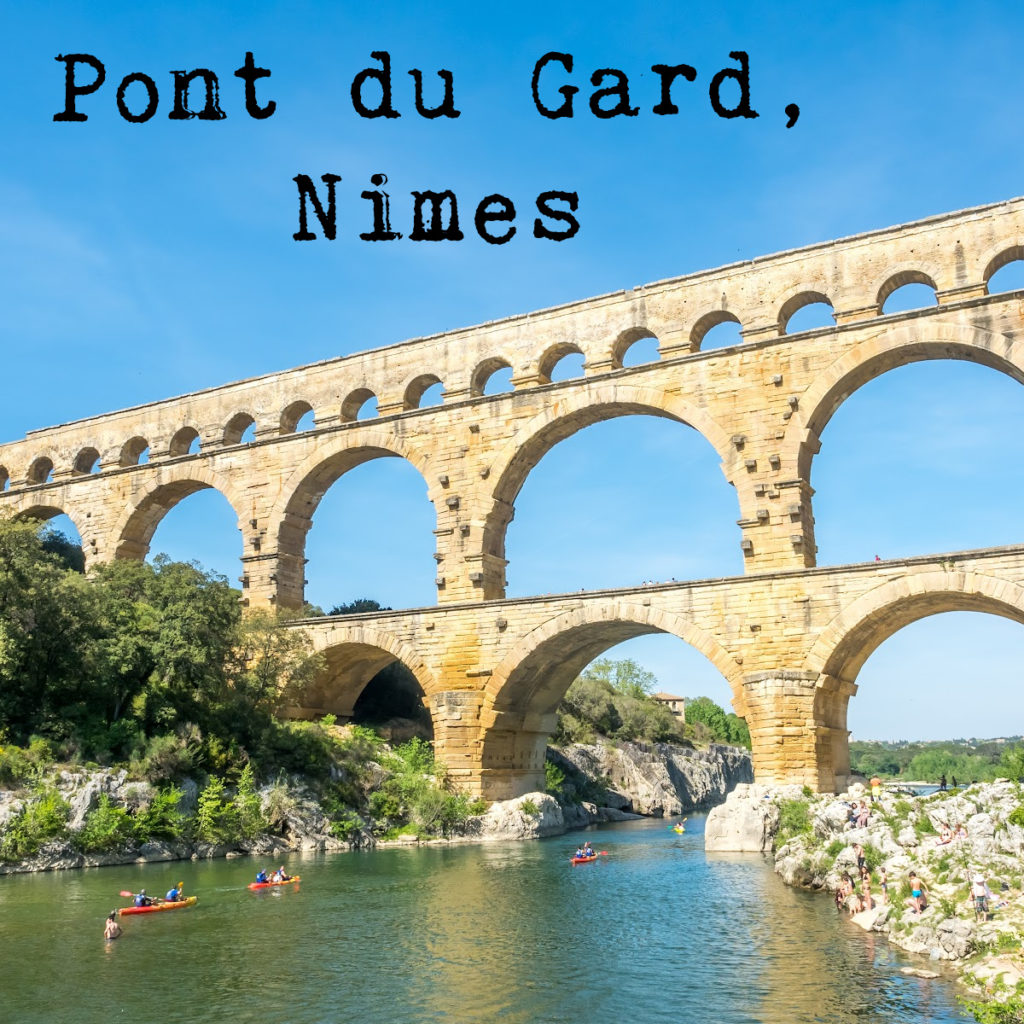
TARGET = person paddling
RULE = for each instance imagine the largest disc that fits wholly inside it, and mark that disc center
(140, 899)
(174, 894)
(261, 876)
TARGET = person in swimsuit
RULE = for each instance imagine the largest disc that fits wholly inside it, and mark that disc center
(111, 930)
(918, 899)
(883, 880)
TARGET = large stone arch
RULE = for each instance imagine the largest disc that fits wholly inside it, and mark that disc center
(135, 525)
(353, 655)
(907, 343)
(534, 675)
(563, 417)
(291, 516)
(842, 648)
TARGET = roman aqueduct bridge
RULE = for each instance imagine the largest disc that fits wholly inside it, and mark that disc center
(788, 637)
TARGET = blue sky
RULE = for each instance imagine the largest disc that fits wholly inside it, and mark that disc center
(140, 261)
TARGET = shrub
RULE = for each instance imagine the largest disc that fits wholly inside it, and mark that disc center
(835, 848)
(554, 779)
(107, 827)
(923, 826)
(872, 857)
(346, 825)
(529, 808)
(1017, 816)
(247, 803)
(217, 819)
(39, 821)
(794, 820)
(279, 804)
(162, 819)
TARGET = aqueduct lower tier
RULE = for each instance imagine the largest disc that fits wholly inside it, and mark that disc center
(790, 645)
(788, 637)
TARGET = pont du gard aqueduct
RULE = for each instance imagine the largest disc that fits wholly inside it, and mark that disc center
(790, 638)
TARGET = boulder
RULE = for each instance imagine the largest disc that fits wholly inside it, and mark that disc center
(745, 823)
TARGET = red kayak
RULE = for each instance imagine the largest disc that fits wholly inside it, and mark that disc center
(267, 885)
(583, 860)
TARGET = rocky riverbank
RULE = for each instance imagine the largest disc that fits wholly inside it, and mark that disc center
(600, 783)
(950, 840)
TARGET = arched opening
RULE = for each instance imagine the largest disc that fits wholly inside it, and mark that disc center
(59, 535)
(184, 442)
(947, 676)
(240, 429)
(561, 362)
(370, 531)
(926, 443)
(634, 499)
(1005, 273)
(634, 347)
(188, 521)
(910, 289)
(718, 329)
(40, 471)
(5, 479)
(527, 687)
(371, 685)
(87, 461)
(297, 417)
(135, 452)
(807, 311)
(426, 390)
(491, 377)
(360, 405)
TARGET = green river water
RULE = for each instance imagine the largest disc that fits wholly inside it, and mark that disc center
(656, 931)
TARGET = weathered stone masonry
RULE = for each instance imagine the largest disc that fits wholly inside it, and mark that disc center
(789, 638)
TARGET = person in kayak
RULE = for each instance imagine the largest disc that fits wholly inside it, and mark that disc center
(588, 850)
(141, 899)
(112, 930)
(174, 894)
(280, 876)
(261, 877)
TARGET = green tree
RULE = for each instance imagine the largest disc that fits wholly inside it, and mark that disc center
(360, 604)
(624, 676)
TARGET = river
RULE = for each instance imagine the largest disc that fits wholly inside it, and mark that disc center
(654, 931)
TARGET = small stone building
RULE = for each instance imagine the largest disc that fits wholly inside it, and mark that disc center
(677, 705)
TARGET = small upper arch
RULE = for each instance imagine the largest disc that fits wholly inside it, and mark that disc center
(355, 406)
(553, 356)
(5, 479)
(234, 430)
(1011, 254)
(802, 299)
(40, 471)
(708, 322)
(184, 442)
(626, 340)
(292, 414)
(134, 452)
(417, 388)
(87, 461)
(484, 372)
(899, 280)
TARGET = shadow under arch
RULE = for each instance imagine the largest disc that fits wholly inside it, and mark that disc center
(584, 407)
(534, 676)
(908, 343)
(134, 528)
(352, 657)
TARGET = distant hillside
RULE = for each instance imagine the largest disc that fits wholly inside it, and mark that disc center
(966, 760)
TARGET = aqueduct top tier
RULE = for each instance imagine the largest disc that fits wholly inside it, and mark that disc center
(761, 404)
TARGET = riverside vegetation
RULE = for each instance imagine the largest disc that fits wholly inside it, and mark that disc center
(137, 717)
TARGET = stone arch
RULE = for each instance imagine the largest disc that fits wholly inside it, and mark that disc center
(132, 450)
(181, 441)
(996, 262)
(417, 388)
(292, 516)
(534, 675)
(899, 279)
(45, 511)
(804, 297)
(5, 479)
(291, 414)
(581, 408)
(85, 461)
(353, 656)
(39, 470)
(706, 323)
(353, 403)
(483, 373)
(135, 525)
(237, 426)
(900, 346)
(626, 340)
(551, 357)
